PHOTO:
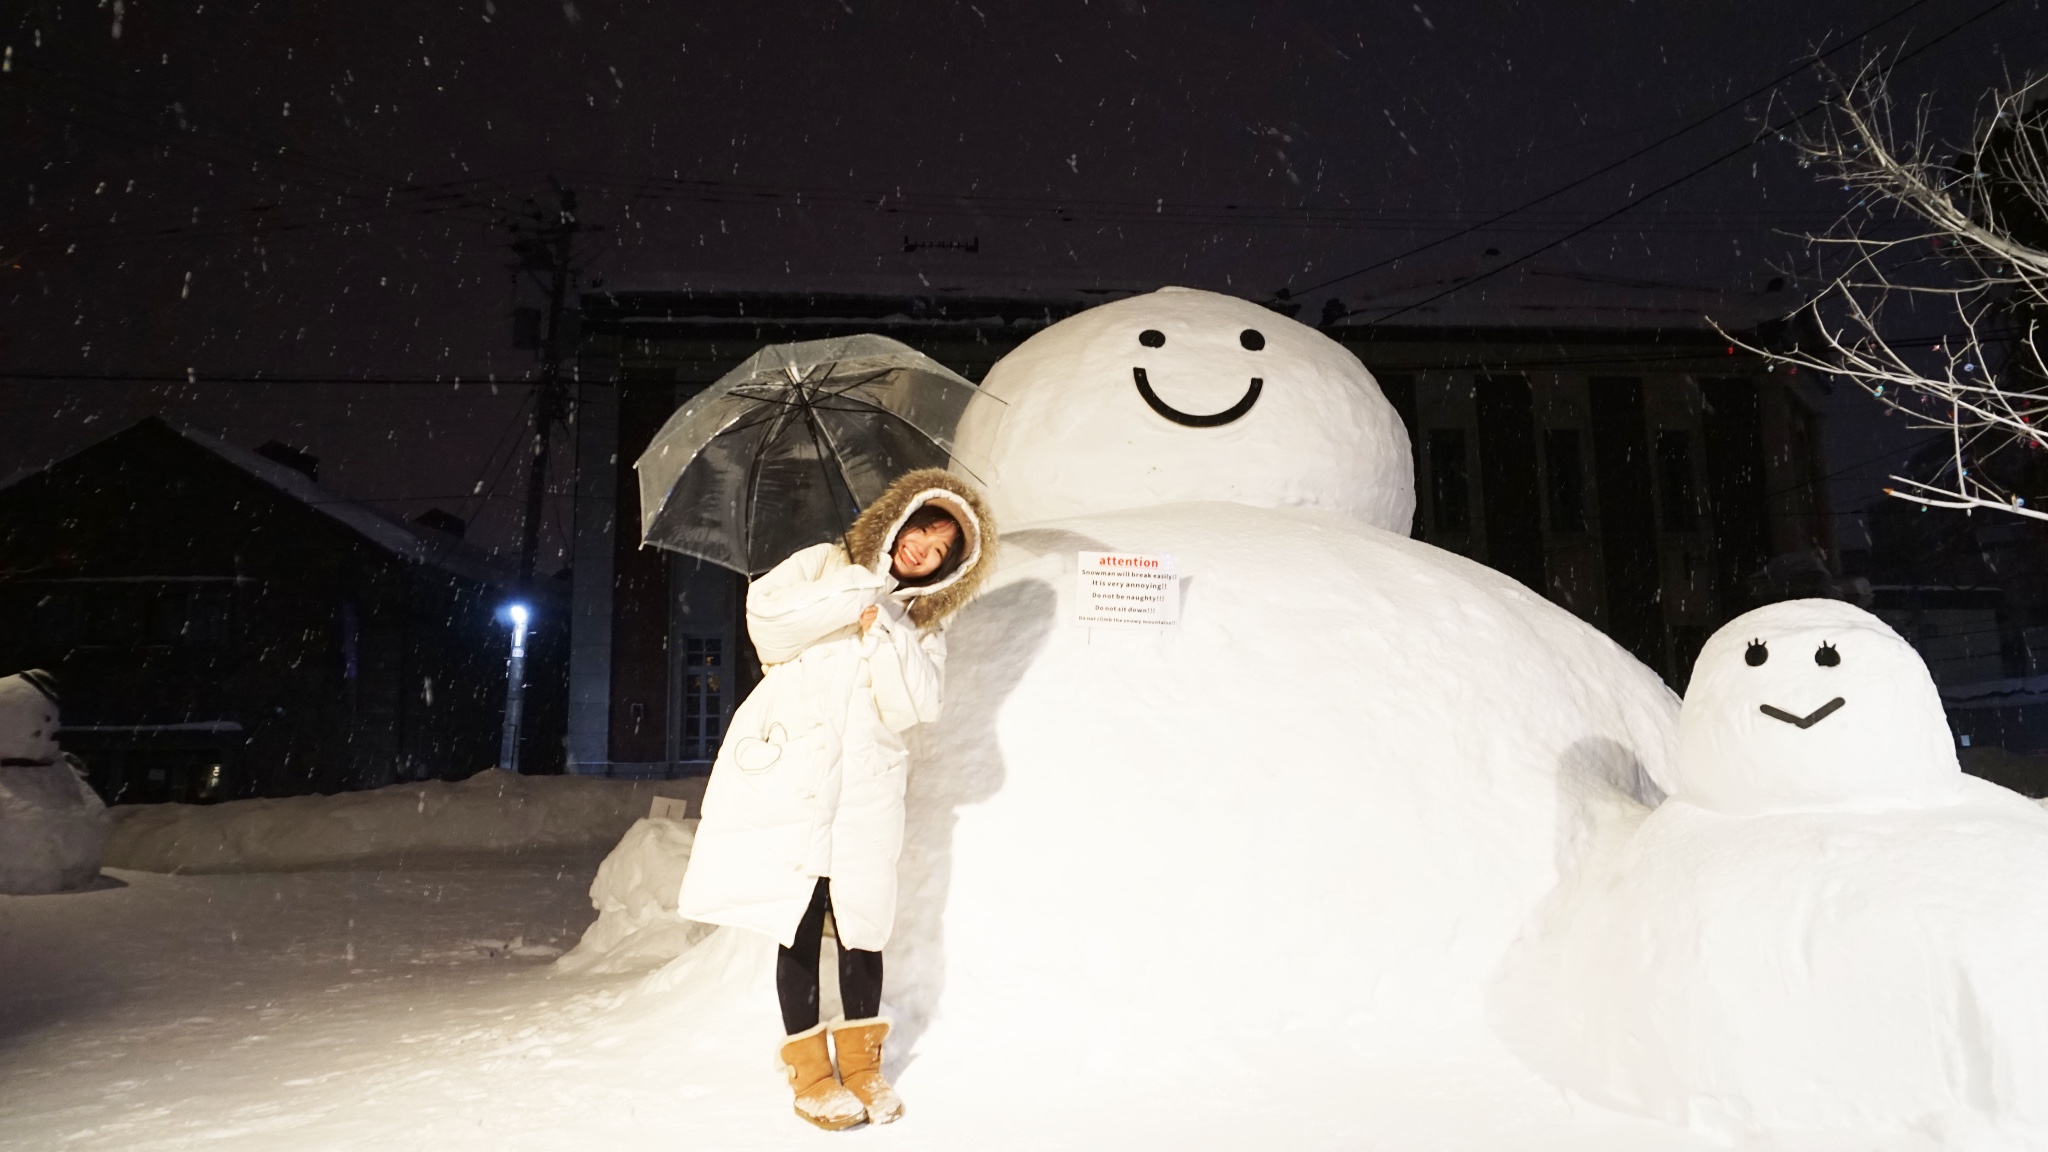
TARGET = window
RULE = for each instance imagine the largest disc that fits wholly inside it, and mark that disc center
(1565, 477)
(1450, 486)
(1674, 475)
(114, 617)
(703, 697)
(166, 620)
(57, 623)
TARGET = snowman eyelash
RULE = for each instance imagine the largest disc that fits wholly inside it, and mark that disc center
(1826, 656)
(1756, 653)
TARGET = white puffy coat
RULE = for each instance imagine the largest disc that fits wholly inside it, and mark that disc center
(810, 779)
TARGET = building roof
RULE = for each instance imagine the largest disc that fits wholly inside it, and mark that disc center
(1477, 292)
(1414, 299)
(401, 539)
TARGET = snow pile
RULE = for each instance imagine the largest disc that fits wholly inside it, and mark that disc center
(53, 827)
(1829, 929)
(492, 814)
(635, 896)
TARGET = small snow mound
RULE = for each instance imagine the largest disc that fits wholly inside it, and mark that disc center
(489, 816)
(635, 896)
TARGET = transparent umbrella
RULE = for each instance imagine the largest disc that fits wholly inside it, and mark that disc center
(783, 451)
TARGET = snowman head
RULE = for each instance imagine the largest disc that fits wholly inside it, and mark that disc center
(1182, 395)
(28, 719)
(1812, 704)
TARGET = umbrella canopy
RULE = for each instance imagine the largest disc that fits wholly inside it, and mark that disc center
(783, 451)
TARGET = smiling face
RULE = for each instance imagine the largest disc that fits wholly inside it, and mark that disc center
(1182, 395)
(1812, 704)
(920, 549)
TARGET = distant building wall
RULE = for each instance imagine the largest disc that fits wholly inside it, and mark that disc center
(1640, 479)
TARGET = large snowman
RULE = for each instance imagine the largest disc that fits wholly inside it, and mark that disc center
(1827, 929)
(1326, 797)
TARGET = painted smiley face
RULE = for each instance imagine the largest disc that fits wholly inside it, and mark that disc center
(1251, 340)
(1826, 656)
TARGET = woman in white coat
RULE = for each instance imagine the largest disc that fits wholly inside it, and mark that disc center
(804, 812)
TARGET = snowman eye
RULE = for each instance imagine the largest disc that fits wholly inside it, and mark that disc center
(1252, 339)
(1756, 653)
(1152, 338)
(1826, 656)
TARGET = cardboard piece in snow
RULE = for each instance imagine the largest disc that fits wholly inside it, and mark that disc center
(670, 808)
(1127, 588)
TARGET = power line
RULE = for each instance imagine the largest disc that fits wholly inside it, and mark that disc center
(1637, 154)
(442, 380)
(1670, 184)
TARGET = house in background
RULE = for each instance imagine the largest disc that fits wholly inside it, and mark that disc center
(221, 626)
(1970, 593)
(1597, 441)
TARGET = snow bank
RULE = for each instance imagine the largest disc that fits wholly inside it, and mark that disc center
(635, 896)
(491, 814)
(1860, 974)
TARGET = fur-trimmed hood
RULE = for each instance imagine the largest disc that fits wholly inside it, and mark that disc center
(868, 540)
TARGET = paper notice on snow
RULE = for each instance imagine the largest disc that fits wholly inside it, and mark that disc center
(1127, 588)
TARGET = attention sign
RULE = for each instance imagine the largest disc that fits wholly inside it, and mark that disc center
(1128, 588)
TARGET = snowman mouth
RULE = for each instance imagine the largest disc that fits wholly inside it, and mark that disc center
(1807, 721)
(1190, 419)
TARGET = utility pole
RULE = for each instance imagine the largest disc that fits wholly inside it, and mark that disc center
(547, 252)
(545, 242)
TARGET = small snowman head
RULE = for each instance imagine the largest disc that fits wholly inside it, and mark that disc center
(1812, 704)
(28, 719)
(1181, 395)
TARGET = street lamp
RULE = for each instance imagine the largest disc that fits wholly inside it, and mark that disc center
(515, 688)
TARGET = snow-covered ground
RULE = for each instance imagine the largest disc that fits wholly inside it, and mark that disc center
(343, 1009)
(417, 1007)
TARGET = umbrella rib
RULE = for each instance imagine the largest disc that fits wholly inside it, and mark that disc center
(754, 486)
(823, 440)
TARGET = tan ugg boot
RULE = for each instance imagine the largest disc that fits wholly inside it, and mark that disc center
(820, 1097)
(858, 1044)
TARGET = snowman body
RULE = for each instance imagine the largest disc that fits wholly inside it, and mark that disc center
(1827, 929)
(1325, 797)
(53, 827)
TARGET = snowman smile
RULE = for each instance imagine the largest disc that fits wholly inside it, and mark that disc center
(1213, 420)
(1807, 721)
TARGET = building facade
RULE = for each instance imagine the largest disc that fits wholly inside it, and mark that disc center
(1653, 480)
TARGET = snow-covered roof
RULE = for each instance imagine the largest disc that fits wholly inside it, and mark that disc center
(1524, 296)
(419, 545)
(411, 542)
(1547, 296)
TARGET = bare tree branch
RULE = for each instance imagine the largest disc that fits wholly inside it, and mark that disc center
(1973, 256)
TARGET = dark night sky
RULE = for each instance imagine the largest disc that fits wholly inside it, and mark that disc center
(310, 190)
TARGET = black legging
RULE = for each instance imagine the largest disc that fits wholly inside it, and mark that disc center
(796, 971)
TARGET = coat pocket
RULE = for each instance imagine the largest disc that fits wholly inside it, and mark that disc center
(757, 754)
